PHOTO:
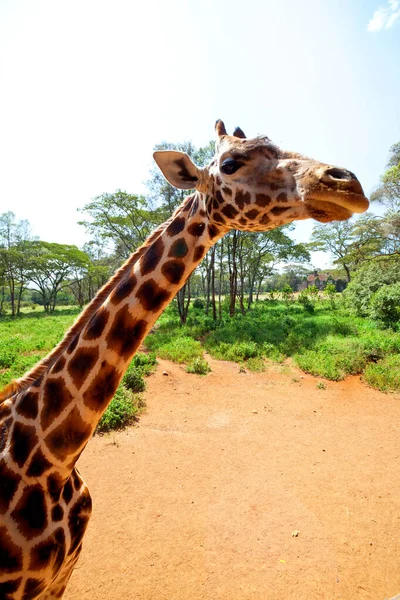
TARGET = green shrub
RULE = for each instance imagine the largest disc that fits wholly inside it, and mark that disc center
(134, 381)
(198, 303)
(256, 364)
(385, 304)
(121, 411)
(385, 374)
(304, 299)
(368, 280)
(199, 366)
(180, 350)
(323, 365)
(237, 352)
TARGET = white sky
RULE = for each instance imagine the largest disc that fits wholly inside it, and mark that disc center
(88, 87)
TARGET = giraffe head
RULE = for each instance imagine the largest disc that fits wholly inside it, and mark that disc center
(253, 185)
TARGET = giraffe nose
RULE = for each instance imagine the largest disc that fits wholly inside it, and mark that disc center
(341, 178)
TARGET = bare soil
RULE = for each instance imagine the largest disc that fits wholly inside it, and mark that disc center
(246, 486)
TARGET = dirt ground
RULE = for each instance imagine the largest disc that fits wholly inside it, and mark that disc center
(246, 486)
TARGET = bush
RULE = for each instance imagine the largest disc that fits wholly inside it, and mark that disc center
(134, 381)
(368, 280)
(385, 374)
(199, 366)
(121, 411)
(256, 364)
(198, 303)
(385, 304)
(237, 352)
(181, 349)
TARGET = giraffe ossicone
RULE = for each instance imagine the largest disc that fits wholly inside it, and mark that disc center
(48, 416)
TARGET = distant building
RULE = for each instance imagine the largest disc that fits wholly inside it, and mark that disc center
(321, 280)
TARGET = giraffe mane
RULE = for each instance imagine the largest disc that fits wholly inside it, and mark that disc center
(21, 384)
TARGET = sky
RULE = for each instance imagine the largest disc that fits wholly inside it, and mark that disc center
(88, 87)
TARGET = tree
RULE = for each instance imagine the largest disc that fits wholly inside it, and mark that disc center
(388, 191)
(335, 238)
(14, 250)
(53, 267)
(122, 220)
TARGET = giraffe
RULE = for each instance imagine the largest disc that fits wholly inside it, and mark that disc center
(48, 416)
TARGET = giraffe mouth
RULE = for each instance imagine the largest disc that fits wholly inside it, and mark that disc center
(338, 206)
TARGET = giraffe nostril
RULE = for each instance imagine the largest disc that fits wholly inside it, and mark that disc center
(336, 173)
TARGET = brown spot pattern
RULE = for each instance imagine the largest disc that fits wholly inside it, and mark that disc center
(173, 270)
(27, 405)
(56, 398)
(242, 198)
(218, 218)
(30, 512)
(97, 323)
(252, 214)
(262, 200)
(282, 197)
(152, 257)
(123, 289)
(179, 248)
(81, 364)
(125, 333)
(38, 464)
(213, 231)
(33, 587)
(230, 211)
(152, 296)
(102, 388)
(177, 225)
(198, 252)
(69, 436)
(78, 519)
(9, 482)
(10, 554)
(196, 229)
(23, 440)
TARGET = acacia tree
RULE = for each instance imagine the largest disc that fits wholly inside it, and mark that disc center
(121, 220)
(52, 267)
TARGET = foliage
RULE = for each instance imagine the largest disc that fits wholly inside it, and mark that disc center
(51, 268)
(141, 366)
(385, 304)
(385, 374)
(366, 282)
(199, 366)
(121, 411)
(177, 347)
(256, 364)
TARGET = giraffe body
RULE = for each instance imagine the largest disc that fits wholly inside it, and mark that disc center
(47, 417)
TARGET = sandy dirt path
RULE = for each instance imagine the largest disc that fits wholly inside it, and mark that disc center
(244, 486)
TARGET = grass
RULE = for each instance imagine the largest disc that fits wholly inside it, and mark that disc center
(27, 339)
(385, 374)
(199, 366)
(326, 343)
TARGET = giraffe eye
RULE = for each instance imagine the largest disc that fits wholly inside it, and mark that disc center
(230, 166)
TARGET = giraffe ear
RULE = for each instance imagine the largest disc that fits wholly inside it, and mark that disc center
(177, 168)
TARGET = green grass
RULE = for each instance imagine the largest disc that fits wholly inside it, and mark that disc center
(199, 366)
(121, 411)
(385, 374)
(326, 343)
(27, 339)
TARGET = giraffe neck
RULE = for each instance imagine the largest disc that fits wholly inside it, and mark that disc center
(59, 412)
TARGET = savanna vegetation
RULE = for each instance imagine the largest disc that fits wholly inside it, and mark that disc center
(253, 299)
